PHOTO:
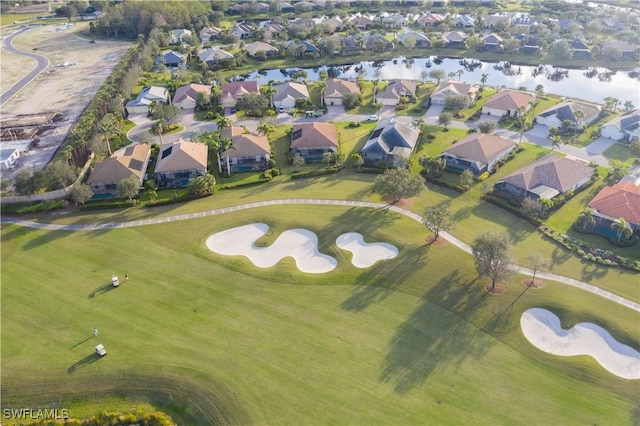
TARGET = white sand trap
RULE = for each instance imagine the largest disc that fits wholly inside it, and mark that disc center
(300, 244)
(542, 328)
(365, 255)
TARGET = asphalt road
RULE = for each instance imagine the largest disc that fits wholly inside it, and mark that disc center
(41, 64)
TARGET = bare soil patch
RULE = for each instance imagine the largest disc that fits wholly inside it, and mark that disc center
(537, 283)
(498, 290)
(440, 242)
(63, 90)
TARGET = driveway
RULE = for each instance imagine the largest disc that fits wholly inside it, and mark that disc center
(387, 111)
(599, 146)
(143, 125)
(431, 116)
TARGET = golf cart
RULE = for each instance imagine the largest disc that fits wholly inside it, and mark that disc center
(100, 350)
(115, 281)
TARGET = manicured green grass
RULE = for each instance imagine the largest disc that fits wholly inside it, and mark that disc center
(620, 152)
(411, 340)
(10, 18)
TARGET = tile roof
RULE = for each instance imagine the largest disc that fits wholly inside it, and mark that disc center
(246, 144)
(190, 91)
(480, 147)
(181, 155)
(129, 161)
(452, 87)
(214, 54)
(290, 89)
(239, 88)
(315, 135)
(398, 88)
(566, 111)
(259, 46)
(337, 88)
(393, 137)
(510, 100)
(621, 200)
(457, 36)
(559, 173)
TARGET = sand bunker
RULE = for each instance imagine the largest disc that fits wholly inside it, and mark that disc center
(365, 255)
(542, 328)
(300, 244)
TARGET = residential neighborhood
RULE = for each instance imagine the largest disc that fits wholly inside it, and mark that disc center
(261, 209)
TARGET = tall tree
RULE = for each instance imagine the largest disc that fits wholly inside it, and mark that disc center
(492, 254)
(395, 184)
(586, 218)
(81, 193)
(266, 129)
(537, 262)
(226, 145)
(438, 75)
(438, 219)
(445, 119)
(556, 141)
(128, 188)
(466, 179)
(487, 126)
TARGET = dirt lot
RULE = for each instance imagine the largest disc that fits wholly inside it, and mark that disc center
(59, 89)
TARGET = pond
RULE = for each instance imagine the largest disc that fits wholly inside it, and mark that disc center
(593, 84)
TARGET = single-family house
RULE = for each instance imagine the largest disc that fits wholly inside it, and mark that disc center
(250, 151)
(507, 103)
(122, 164)
(619, 201)
(286, 94)
(478, 152)
(625, 127)
(628, 52)
(180, 161)
(578, 113)
(212, 56)
(333, 24)
(569, 24)
(448, 88)
(544, 178)
(347, 45)
(390, 144)
(492, 43)
(361, 22)
(377, 42)
(395, 90)
(302, 48)
(242, 31)
(313, 140)
(259, 46)
(531, 46)
(455, 39)
(262, 7)
(421, 41)
(8, 157)
(336, 88)
(170, 60)
(186, 97)
(579, 49)
(286, 7)
(177, 36)
(210, 34)
(463, 21)
(394, 21)
(271, 30)
(490, 21)
(439, 3)
(232, 92)
(610, 23)
(524, 21)
(429, 19)
(147, 96)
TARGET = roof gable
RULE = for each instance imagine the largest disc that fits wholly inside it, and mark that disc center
(509, 100)
(126, 162)
(621, 200)
(481, 148)
(246, 144)
(559, 173)
(181, 155)
(315, 135)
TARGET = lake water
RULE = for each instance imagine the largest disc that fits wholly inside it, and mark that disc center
(592, 85)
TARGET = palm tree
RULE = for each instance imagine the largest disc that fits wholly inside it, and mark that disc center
(216, 91)
(266, 129)
(105, 128)
(622, 228)
(268, 91)
(322, 84)
(484, 78)
(556, 140)
(226, 144)
(586, 218)
(212, 140)
(223, 123)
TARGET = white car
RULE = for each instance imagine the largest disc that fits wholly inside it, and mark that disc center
(373, 118)
(100, 350)
(281, 109)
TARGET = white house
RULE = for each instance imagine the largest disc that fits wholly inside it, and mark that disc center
(146, 97)
(287, 94)
(578, 113)
(625, 126)
(186, 96)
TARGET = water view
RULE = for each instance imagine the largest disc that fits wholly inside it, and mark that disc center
(593, 84)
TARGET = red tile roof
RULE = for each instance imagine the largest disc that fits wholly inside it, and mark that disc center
(621, 200)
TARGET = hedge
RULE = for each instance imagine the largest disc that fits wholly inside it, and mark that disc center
(244, 185)
(180, 199)
(312, 173)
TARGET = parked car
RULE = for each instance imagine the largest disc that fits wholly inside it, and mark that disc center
(281, 109)
(373, 118)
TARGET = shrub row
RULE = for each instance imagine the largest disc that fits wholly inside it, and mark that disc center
(312, 173)
(243, 184)
(591, 254)
(179, 199)
(103, 205)
(42, 206)
(435, 180)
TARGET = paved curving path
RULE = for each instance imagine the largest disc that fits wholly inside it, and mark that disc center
(463, 246)
(41, 64)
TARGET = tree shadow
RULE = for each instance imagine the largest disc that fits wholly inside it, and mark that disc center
(517, 235)
(591, 271)
(462, 213)
(559, 256)
(101, 290)
(384, 277)
(89, 359)
(431, 336)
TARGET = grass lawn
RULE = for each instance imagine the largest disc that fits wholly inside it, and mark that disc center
(213, 339)
(620, 152)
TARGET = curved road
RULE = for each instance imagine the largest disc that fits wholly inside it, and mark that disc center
(41, 64)
(559, 278)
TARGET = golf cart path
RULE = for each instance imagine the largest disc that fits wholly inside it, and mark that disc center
(461, 245)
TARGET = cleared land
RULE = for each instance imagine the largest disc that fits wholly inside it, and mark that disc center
(411, 340)
(63, 89)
